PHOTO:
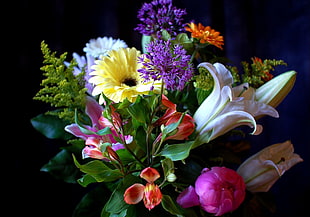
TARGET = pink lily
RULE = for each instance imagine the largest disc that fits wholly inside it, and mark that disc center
(94, 141)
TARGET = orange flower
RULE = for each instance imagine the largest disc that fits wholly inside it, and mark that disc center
(150, 193)
(205, 34)
(186, 127)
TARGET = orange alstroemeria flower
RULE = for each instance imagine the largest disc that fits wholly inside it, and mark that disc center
(205, 34)
(150, 193)
(171, 109)
(185, 128)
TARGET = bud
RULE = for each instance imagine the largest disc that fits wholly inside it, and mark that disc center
(171, 177)
(112, 154)
(264, 168)
(276, 89)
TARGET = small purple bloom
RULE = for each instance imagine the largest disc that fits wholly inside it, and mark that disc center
(160, 15)
(166, 62)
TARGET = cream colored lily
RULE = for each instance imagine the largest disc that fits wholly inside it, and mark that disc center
(276, 89)
(264, 168)
(224, 109)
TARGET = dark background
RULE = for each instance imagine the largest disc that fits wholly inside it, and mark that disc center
(266, 29)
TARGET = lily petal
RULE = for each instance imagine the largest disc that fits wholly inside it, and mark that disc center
(274, 91)
(255, 108)
(212, 106)
(263, 169)
(93, 110)
(226, 122)
(76, 131)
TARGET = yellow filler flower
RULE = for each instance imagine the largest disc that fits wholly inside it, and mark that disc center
(205, 34)
(116, 76)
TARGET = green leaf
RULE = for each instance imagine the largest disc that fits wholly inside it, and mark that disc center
(50, 126)
(116, 203)
(125, 156)
(169, 205)
(61, 167)
(86, 180)
(170, 129)
(101, 132)
(92, 202)
(99, 171)
(177, 151)
(182, 37)
(168, 166)
(165, 35)
(140, 110)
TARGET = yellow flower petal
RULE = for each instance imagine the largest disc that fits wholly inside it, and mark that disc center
(116, 76)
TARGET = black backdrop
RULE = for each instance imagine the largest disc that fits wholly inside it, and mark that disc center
(263, 28)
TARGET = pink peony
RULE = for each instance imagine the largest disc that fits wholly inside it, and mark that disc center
(217, 190)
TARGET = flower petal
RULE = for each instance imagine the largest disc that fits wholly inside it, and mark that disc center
(275, 90)
(150, 174)
(93, 110)
(263, 169)
(188, 198)
(134, 194)
(152, 196)
(226, 122)
(75, 130)
(210, 104)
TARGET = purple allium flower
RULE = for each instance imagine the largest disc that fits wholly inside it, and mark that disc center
(166, 62)
(160, 15)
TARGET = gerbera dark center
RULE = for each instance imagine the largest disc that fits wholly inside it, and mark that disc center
(130, 82)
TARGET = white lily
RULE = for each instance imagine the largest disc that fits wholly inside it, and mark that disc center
(264, 168)
(224, 109)
(275, 90)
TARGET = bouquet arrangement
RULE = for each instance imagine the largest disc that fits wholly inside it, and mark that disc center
(163, 131)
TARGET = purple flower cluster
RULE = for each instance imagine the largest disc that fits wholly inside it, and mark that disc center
(166, 62)
(160, 15)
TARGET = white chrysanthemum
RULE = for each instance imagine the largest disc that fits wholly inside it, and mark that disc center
(102, 45)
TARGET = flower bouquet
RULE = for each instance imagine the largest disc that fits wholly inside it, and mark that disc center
(163, 131)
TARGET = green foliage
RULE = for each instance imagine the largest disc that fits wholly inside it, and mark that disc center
(50, 126)
(256, 73)
(99, 170)
(177, 151)
(62, 167)
(180, 161)
(203, 83)
(92, 202)
(235, 73)
(60, 87)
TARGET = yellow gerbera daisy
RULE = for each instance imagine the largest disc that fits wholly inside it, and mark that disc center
(116, 76)
(205, 34)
